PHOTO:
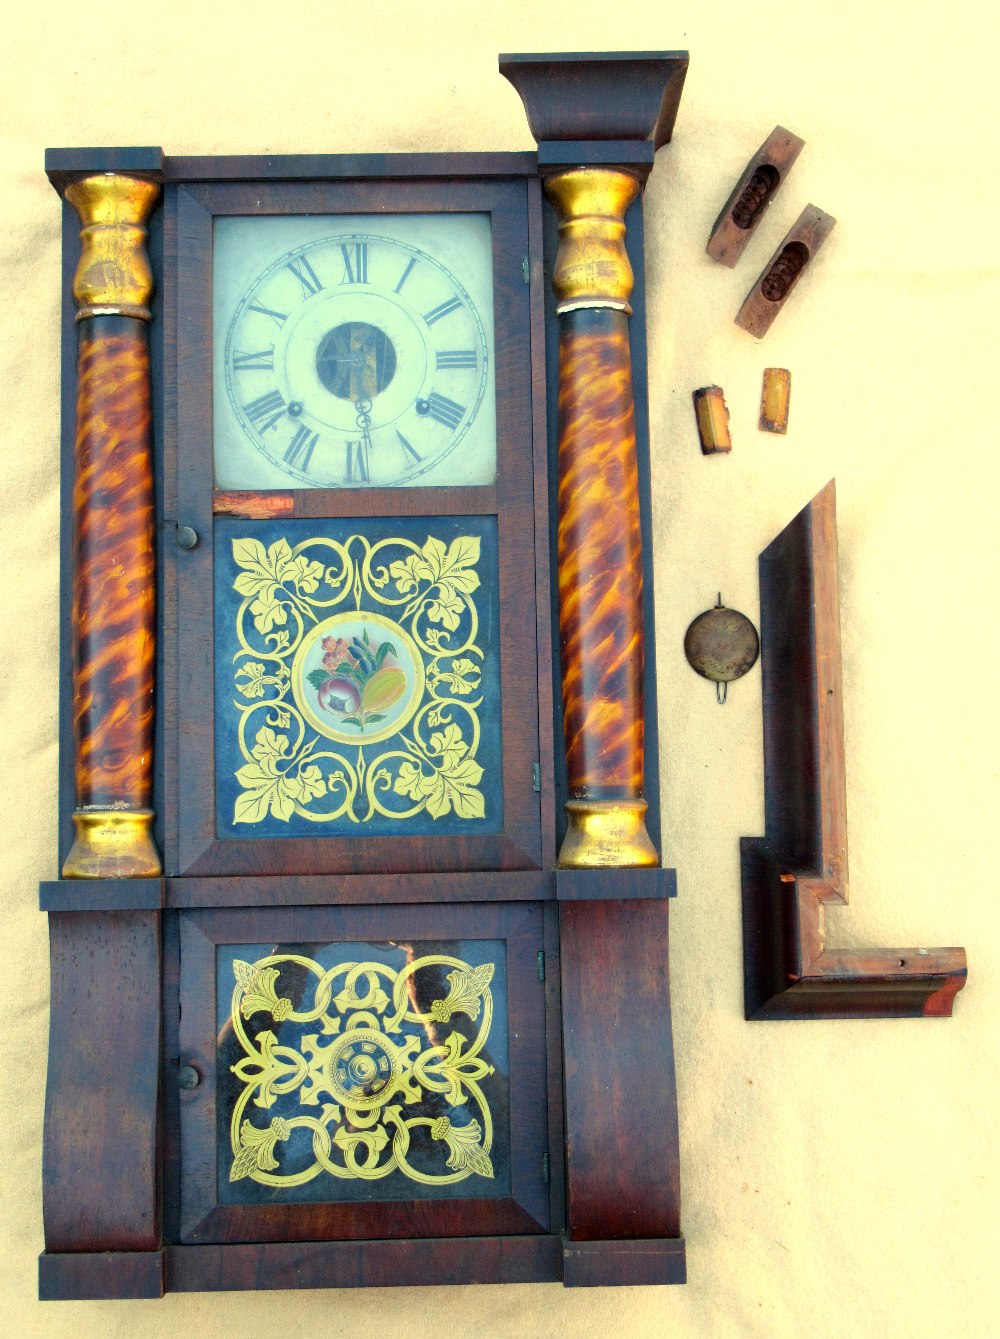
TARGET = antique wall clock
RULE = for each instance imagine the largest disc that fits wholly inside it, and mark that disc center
(358, 793)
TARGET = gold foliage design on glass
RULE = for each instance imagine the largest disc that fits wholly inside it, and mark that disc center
(372, 1057)
(357, 679)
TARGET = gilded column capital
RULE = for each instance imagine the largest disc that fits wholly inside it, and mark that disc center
(592, 266)
(113, 277)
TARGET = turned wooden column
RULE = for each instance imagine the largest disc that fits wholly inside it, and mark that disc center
(114, 578)
(599, 534)
(598, 119)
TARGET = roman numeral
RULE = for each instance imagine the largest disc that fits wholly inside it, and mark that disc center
(306, 276)
(300, 448)
(357, 463)
(444, 410)
(254, 362)
(280, 317)
(265, 411)
(406, 274)
(444, 309)
(456, 357)
(355, 263)
(411, 456)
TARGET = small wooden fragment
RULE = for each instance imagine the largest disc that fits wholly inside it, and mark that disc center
(752, 194)
(784, 270)
(257, 506)
(774, 396)
(712, 418)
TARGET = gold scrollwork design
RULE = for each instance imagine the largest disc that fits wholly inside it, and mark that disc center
(418, 685)
(363, 1069)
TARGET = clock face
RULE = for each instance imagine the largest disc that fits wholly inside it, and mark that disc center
(353, 352)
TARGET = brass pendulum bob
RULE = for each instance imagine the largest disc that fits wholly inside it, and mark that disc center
(722, 645)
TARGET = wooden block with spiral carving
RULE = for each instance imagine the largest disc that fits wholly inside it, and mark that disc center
(759, 184)
(784, 270)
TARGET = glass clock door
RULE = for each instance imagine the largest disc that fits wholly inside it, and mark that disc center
(357, 461)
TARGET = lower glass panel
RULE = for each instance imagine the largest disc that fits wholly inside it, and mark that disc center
(362, 1071)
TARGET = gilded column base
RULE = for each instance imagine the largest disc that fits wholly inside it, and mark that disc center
(606, 834)
(113, 844)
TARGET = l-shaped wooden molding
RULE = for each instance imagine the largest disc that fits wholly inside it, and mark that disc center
(800, 864)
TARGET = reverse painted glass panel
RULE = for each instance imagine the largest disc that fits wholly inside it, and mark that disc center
(362, 1071)
(357, 677)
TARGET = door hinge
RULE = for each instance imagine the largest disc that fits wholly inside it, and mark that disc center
(546, 1168)
(526, 269)
(536, 776)
(541, 964)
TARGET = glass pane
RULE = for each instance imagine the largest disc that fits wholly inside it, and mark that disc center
(362, 1071)
(354, 351)
(357, 688)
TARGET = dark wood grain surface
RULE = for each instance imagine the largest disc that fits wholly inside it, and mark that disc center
(622, 1164)
(783, 272)
(100, 1155)
(86, 1277)
(387, 890)
(594, 96)
(365, 1264)
(596, 1264)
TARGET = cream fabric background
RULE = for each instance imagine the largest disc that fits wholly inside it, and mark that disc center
(839, 1177)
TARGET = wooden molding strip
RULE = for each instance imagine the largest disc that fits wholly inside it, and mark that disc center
(800, 865)
(596, 1264)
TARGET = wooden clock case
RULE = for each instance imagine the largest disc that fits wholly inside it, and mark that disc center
(134, 1203)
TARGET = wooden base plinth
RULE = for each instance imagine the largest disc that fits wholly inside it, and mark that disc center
(81, 1276)
(622, 1163)
(601, 1264)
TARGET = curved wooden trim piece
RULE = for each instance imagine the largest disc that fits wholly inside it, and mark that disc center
(622, 1158)
(800, 865)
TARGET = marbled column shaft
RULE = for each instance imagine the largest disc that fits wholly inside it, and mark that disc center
(600, 558)
(114, 590)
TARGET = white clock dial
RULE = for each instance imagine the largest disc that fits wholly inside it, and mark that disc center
(354, 352)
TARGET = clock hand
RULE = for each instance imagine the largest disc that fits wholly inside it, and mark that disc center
(364, 421)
